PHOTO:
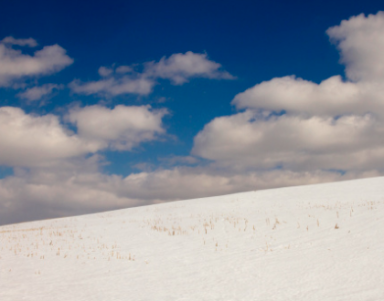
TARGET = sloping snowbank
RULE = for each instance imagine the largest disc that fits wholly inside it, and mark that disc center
(318, 242)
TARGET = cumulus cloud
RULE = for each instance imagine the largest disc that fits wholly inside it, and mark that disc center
(331, 97)
(28, 140)
(297, 125)
(47, 193)
(121, 128)
(38, 92)
(14, 65)
(42, 195)
(178, 68)
(247, 140)
(43, 141)
(361, 42)
(193, 182)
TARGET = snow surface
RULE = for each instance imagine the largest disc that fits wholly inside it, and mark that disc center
(318, 242)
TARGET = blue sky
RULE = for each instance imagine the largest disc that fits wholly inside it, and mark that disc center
(172, 113)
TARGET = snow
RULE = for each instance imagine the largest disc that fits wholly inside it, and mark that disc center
(317, 242)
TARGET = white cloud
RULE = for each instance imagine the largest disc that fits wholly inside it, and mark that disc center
(295, 95)
(14, 65)
(43, 195)
(332, 97)
(298, 125)
(46, 194)
(193, 182)
(28, 140)
(121, 128)
(248, 140)
(361, 42)
(42, 141)
(38, 92)
(178, 68)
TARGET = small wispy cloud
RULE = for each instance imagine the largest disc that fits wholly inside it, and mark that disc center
(19, 42)
(179, 68)
(113, 86)
(39, 92)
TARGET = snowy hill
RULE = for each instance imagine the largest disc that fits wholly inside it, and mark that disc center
(318, 242)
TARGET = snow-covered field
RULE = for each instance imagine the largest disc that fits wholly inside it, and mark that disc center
(319, 242)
